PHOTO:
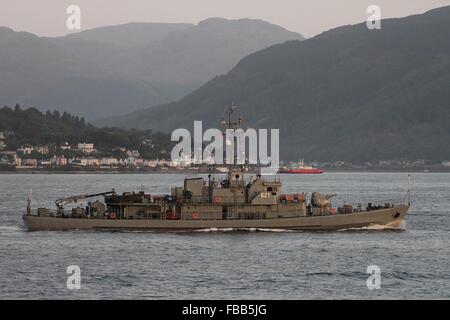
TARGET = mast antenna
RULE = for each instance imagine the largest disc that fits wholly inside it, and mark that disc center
(29, 202)
(229, 123)
(409, 189)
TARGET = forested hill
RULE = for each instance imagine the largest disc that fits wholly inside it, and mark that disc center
(32, 127)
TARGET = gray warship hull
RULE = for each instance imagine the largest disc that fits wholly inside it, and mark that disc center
(382, 217)
(231, 202)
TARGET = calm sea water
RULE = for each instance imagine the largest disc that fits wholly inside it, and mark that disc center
(414, 262)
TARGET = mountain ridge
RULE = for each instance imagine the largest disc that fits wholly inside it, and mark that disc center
(347, 94)
(101, 72)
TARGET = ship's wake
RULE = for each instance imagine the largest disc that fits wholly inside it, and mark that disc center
(395, 225)
(10, 228)
(242, 229)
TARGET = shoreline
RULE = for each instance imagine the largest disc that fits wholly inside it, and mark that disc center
(187, 171)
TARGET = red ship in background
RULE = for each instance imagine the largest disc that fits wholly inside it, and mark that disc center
(301, 168)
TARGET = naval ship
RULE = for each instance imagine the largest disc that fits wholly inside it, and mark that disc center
(234, 200)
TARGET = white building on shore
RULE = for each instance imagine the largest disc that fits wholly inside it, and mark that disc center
(109, 161)
(85, 162)
(59, 161)
(87, 148)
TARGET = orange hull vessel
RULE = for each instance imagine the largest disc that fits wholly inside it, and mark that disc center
(303, 171)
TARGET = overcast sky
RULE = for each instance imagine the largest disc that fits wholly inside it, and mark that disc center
(309, 17)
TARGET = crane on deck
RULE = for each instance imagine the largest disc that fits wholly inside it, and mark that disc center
(60, 203)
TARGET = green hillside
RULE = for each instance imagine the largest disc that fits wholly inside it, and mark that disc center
(32, 127)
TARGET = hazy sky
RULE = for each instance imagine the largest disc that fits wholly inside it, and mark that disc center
(309, 17)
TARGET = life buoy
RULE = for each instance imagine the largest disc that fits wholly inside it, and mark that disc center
(194, 215)
(217, 199)
(112, 215)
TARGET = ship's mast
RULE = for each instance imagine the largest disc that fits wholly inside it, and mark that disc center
(409, 189)
(228, 122)
(29, 203)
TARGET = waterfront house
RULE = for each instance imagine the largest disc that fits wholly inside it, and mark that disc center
(87, 148)
(29, 163)
(89, 161)
(109, 161)
(59, 161)
(45, 162)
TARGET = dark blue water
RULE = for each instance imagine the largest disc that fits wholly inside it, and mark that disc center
(414, 262)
